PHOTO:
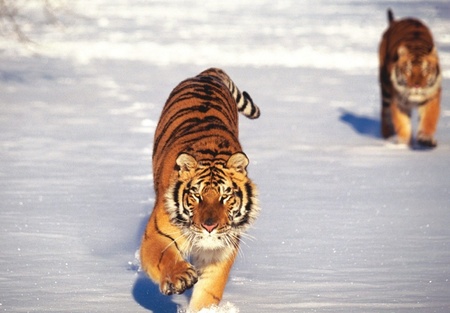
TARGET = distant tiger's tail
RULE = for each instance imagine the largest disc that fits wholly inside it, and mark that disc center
(390, 16)
(243, 100)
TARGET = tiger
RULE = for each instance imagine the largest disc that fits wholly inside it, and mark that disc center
(410, 78)
(205, 200)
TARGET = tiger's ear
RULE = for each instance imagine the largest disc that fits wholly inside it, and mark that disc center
(433, 51)
(402, 51)
(238, 162)
(186, 163)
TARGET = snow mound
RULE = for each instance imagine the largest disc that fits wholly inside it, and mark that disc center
(221, 308)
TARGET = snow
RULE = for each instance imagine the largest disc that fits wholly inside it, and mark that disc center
(349, 222)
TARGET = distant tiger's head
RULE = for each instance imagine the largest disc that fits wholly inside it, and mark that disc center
(415, 76)
(213, 202)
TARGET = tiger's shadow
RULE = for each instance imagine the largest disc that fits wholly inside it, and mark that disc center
(370, 127)
(146, 293)
(363, 125)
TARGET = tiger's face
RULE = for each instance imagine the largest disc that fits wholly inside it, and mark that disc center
(213, 203)
(415, 78)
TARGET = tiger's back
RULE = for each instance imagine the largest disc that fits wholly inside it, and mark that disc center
(201, 118)
(410, 78)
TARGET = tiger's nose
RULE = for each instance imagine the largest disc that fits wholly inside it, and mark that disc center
(210, 225)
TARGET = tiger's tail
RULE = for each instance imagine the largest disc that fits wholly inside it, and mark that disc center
(243, 100)
(390, 16)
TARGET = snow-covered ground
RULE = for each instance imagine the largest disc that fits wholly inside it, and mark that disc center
(349, 223)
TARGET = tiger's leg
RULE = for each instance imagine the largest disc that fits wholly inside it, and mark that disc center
(387, 128)
(429, 116)
(402, 123)
(211, 284)
(161, 257)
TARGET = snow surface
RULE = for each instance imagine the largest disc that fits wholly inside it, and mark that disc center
(349, 222)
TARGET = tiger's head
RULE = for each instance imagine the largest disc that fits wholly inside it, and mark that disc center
(416, 76)
(213, 202)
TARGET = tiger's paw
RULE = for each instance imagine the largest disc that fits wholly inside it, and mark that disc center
(182, 277)
(426, 141)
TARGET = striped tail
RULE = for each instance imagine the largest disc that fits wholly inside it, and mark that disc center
(243, 100)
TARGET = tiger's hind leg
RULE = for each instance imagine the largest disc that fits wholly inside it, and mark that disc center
(401, 121)
(429, 116)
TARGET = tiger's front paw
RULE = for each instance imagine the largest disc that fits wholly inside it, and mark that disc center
(181, 277)
(425, 140)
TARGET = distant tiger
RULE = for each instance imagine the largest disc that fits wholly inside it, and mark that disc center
(204, 198)
(410, 78)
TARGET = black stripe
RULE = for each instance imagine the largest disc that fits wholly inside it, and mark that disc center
(175, 193)
(167, 236)
(248, 206)
(210, 152)
(238, 98)
(200, 137)
(213, 296)
(249, 99)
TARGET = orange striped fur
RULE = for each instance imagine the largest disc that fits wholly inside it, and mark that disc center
(204, 198)
(410, 78)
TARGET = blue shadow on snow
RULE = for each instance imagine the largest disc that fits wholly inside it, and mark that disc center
(366, 126)
(147, 294)
(371, 127)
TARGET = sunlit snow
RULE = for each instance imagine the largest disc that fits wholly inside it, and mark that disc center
(349, 222)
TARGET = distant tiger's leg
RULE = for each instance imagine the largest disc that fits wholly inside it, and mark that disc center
(429, 116)
(402, 123)
(210, 286)
(387, 129)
